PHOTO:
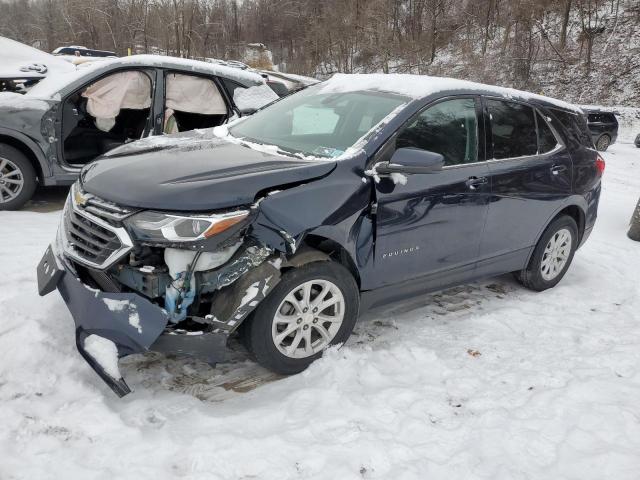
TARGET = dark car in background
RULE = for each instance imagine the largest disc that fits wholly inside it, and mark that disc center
(48, 134)
(78, 51)
(603, 127)
(356, 192)
(637, 141)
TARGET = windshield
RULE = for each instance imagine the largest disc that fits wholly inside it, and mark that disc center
(318, 124)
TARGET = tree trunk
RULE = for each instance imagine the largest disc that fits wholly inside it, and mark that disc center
(634, 227)
(565, 24)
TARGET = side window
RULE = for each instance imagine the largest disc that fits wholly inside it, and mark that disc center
(575, 127)
(192, 102)
(546, 139)
(449, 128)
(513, 129)
(231, 86)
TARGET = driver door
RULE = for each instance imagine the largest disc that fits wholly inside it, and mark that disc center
(430, 225)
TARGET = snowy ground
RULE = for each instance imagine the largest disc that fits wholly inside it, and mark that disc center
(483, 381)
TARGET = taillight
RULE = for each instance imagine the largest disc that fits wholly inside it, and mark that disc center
(600, 165)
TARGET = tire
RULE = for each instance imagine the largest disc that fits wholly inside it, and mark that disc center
(539, 277)
(603, 143)
(634, 225)
(15, 166)
(263, 328)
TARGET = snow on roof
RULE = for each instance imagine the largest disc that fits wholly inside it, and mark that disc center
(292, 77)
(419, 86)
(22, 61)
(49, 87)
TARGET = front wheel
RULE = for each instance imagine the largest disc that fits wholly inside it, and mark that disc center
(17, 178)
(313, 307)
(552, 256)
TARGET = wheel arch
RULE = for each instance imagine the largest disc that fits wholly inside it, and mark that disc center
(573, 210)
(30, 150)
(319, 248)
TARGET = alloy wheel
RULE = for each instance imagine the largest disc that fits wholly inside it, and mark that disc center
(11, 180)
(556, 254)
(308, 319)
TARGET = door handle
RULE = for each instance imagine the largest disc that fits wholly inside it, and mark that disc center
(475, 182)
(556, 169)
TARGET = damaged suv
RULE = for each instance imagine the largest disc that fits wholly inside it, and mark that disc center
(65, 121)
(284, 225)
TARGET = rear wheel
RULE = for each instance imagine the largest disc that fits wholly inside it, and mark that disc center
(603, 143)
(552, 256)
(313, 307)
(17, 178)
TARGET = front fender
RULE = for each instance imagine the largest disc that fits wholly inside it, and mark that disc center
(330, 203)
(31, 145)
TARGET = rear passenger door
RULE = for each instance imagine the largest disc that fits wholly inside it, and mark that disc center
(530, 171)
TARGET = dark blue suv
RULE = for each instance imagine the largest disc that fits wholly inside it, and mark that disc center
(281, 228)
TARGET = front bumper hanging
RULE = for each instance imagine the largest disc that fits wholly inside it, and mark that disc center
(130, 321)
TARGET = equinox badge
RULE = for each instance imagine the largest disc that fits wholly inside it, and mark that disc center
(402, 251)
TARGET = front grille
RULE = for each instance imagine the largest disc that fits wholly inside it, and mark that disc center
(92, 230)
(106, 210)
(90, 240)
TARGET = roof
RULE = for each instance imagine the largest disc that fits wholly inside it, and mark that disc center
(49, 87)
(421, 86)
(291, 77)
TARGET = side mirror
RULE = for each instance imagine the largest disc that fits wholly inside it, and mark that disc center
(245, 112)
(411, 161)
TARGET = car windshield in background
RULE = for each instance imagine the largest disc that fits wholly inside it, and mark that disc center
(318, 124)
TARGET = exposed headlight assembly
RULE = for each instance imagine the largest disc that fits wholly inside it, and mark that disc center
(150, 226)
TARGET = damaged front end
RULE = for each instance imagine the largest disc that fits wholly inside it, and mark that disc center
(140, 280)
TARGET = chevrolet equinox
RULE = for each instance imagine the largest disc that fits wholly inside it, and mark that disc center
(283, 226)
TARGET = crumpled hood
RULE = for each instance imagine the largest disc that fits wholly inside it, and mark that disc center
(187, 174)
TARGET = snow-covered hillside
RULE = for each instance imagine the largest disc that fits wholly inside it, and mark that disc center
(483, 381)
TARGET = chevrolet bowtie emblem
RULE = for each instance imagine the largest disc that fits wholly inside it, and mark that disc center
(80, 199)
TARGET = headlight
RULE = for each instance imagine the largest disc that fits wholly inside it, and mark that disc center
(161, 227)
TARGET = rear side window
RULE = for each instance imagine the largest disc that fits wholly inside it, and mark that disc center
(601, 118)
(546, 139)
(231, 86)
(449, 128)
(513, 129)
(576, 129)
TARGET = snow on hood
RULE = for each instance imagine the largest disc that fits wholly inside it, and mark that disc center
(11, 101)
(160, 142)
(20, 61)
(419, 86)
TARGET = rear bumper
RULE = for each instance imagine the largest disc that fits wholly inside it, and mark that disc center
(131, 322)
